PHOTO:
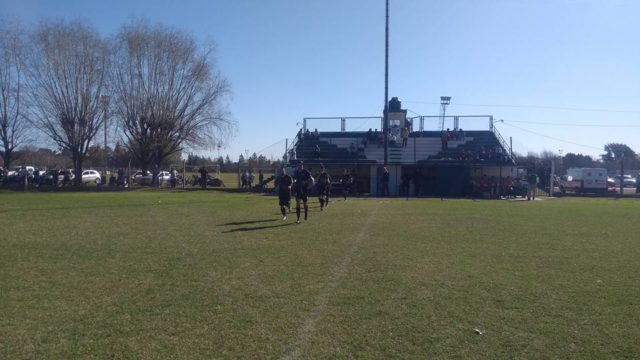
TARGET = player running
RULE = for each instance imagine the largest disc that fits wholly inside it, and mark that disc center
(323, 187)
(283, 184)
(303, 181)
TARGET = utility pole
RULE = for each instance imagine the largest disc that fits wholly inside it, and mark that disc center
(104, 100)
(385, 125)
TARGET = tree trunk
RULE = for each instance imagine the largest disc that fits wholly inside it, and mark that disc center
(77, 168)
(8, 158)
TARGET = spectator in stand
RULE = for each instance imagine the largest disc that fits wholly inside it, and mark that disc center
(316, 134)
(352, 148)
(370, 136)
(316, 152)
(405, 137)
(445, 140)
(460, 134)
(365, 142)
(307, 134)
(380, 140)
(391, 138)
(454, 134)
(260, 180)
(482, 154)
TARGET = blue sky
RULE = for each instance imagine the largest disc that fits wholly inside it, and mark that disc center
(527, 62)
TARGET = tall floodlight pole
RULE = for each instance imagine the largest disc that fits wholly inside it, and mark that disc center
(444, 101)
(385, 124)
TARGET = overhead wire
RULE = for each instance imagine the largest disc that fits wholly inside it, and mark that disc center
(542, 107)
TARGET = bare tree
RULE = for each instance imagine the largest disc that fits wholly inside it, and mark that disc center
(13, 123)
(167, 94)
(67, 69)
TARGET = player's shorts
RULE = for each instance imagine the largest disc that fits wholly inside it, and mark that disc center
(284, 200)
(302, 194)
(323, 190)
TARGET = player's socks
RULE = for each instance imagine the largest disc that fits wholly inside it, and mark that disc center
(283, 211)
(306, 210)
(321, 203)
(298, 212)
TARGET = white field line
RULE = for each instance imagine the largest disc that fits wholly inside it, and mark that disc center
(309, 324)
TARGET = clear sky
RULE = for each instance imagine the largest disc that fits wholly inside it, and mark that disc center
(527, 62)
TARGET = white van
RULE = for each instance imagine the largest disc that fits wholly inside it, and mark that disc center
(584, 180)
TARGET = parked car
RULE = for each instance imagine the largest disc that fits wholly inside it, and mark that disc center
(91, 177)
(147, 179)
(611, 182)
(18, 169)
(627, 180)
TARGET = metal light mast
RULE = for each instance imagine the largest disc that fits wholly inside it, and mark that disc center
(444, 101)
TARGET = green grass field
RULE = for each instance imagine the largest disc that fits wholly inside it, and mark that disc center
(206, 274)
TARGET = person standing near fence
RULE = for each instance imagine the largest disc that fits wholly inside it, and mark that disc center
(203, 177)
(405, 137)
(385, 182)
(532, 184)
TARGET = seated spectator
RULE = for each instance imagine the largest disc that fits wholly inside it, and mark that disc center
(392, 139)
(316, 152)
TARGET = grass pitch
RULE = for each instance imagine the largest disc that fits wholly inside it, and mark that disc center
(205, 274)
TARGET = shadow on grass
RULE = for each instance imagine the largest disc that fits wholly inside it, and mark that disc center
(255, 228)
(247, 222)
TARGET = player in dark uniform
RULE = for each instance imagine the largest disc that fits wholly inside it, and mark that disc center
(303, 182)
(346, 182)
(323, 188)
(283, 184)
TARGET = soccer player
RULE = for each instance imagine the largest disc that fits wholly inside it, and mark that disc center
(283, 184)
(303, 181)
(346, 183)
(323, 186)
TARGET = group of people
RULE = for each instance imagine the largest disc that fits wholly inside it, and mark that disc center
(306, 134)
(302, 184)
(448, 135)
